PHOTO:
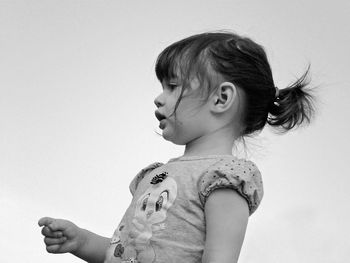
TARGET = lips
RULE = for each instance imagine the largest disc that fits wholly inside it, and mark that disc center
(159, 116)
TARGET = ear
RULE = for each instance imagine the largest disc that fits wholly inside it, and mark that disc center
(224, 97)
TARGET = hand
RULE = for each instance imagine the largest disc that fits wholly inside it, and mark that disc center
(61, 236)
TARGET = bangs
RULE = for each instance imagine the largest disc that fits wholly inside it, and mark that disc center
(183, 59)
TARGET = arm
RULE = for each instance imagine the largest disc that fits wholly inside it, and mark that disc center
(62, 236)
(226, 214)
(93, 251)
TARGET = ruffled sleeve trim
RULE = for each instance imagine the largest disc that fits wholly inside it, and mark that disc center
(238, 174)
(140, 175)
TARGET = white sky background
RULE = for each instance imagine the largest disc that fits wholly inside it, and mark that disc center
(77, 121)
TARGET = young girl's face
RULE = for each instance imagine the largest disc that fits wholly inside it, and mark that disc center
(191, 113)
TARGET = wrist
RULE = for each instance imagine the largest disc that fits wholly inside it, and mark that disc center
(82, 243)
(90, 246)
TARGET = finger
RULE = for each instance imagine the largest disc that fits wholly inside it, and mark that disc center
(54, 241)
(44, 221)
(57, 224)
(53, 248)
(46, 231)
(60, 248)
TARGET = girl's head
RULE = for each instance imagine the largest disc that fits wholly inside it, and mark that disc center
(198, 65)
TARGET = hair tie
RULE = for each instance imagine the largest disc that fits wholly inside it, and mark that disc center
(277, 92)
(277, 98)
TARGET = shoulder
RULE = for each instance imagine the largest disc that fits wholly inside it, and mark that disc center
(240, 175)
(141, 174)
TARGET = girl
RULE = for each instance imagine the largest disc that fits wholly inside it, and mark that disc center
(217, 89)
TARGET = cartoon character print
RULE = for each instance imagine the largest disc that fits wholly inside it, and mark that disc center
(151, 210)
(118, 246)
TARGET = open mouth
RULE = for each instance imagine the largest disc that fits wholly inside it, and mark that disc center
(159, 116)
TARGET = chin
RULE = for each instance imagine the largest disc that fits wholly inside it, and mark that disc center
(177, 141)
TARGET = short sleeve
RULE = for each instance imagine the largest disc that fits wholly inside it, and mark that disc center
(238, 174)
(140, 175)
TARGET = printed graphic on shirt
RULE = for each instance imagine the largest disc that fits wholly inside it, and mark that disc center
(133, 244)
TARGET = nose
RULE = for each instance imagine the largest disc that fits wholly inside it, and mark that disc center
(158, 101)
(149, 213)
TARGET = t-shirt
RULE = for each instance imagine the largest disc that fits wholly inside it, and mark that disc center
(165, 221)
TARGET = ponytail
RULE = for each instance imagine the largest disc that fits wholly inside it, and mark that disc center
(293, 106)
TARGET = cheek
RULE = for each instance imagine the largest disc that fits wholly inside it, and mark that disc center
(185, 130)
(175, 133)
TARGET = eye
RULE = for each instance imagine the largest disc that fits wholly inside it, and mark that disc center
(173, 86)
(144, 203)
(170, 85)
(159, 203)
(162, 200)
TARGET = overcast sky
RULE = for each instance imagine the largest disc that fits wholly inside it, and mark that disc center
(77, 122)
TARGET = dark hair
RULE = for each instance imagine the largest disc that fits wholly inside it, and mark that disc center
(244, 63)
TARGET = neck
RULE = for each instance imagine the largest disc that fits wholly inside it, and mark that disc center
(218, 142)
